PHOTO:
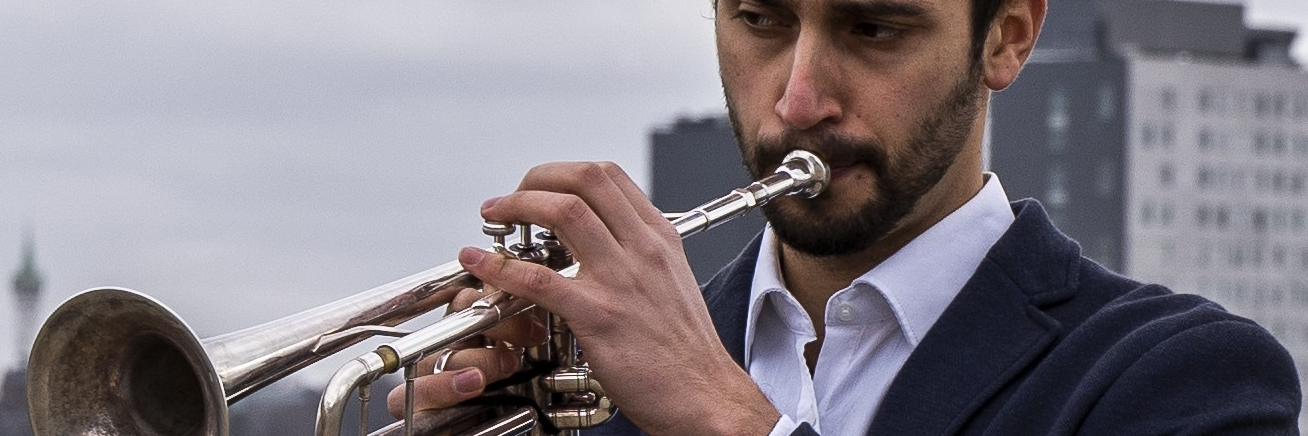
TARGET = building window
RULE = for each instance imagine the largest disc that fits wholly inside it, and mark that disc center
(1205, 100)
(1105, 179)
(1203, 178)
(1205, 139)
(1262, 106)
(1059, 119)
(1107, 102)
(1059, 109)
(1259, 220)
(1167, 99)
(1166, 175)
(1057, 188)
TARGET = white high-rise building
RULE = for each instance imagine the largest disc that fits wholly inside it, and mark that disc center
(1171, 140)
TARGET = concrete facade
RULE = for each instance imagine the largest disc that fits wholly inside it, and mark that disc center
(694, 160)
(1186, 152)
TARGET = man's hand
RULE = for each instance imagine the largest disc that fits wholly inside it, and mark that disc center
(634, 307)
(470, 367)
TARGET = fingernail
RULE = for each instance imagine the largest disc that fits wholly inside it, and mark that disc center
(467, 381)
(490, 202)
(471, 255)
(508, 363)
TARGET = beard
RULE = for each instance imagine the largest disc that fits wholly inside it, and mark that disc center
(824, 226)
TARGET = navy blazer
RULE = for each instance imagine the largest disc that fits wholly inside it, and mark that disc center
(1042, 341)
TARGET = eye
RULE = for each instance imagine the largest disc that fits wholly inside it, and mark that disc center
(757, 20)
(877, 31)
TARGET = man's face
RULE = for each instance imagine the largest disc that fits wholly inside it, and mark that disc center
(884, 90)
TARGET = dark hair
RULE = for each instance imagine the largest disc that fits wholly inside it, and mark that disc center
(983, 15)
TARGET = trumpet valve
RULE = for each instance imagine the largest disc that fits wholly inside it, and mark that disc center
(527, 249)
(497, 231)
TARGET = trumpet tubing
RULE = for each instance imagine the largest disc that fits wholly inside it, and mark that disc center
(115, 361)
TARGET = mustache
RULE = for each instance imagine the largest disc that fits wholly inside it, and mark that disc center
(836, 149)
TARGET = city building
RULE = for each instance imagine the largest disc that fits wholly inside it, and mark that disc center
(694, 160)
(13, 391)
(1171, 140)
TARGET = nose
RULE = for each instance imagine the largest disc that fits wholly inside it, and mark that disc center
(808, 100)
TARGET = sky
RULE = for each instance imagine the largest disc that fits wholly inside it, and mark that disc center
(242, 160)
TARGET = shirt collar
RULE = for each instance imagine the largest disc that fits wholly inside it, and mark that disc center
(922, 278)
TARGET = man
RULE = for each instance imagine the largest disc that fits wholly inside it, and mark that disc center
(909, 298)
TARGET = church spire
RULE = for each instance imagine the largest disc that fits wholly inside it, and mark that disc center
(27, 280)
(27, 296)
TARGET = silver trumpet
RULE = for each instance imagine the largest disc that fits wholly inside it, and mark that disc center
(111, 361)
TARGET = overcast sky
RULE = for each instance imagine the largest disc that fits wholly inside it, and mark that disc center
(242, 160)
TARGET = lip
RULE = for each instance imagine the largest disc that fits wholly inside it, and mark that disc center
(839, 171)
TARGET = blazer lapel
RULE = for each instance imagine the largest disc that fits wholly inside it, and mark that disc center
(990, 332)
(727, 297)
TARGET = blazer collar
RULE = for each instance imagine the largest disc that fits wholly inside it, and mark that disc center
(727, 298)
(989, 334)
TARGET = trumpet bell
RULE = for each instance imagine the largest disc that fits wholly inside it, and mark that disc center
(113, 361)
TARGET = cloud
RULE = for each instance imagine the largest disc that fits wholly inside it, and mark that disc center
(244, 160)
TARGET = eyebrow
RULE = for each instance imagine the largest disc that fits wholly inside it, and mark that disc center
(854, 9)
(859, 8)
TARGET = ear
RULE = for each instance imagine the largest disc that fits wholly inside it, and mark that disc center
(1012, 36)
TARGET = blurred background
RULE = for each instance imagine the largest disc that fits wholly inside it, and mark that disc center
(241, 161)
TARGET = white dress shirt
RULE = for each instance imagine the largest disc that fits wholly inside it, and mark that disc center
(871, 326)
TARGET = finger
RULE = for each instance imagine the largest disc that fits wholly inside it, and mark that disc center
(463, 300)
(527, 329)
(536, 283)
(594, 184)
(639, 201)
(524, 330)
(569, 216)
(495, 363)
(439, 390)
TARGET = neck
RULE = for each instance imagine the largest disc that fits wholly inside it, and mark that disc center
(813, 279)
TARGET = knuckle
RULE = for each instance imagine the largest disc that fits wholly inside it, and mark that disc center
(591, 174)
(573, 210)
(538, 278)
(610, 168)
(536, 173)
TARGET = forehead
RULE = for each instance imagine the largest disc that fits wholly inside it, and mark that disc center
(873, 8)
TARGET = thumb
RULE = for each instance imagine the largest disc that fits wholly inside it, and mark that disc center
(439, 390)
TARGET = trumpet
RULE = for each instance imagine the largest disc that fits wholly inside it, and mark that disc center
(114, 361)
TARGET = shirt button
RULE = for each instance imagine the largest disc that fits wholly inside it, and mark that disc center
(845, 312)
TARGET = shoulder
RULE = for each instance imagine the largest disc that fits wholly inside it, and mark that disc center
(1141, 356)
